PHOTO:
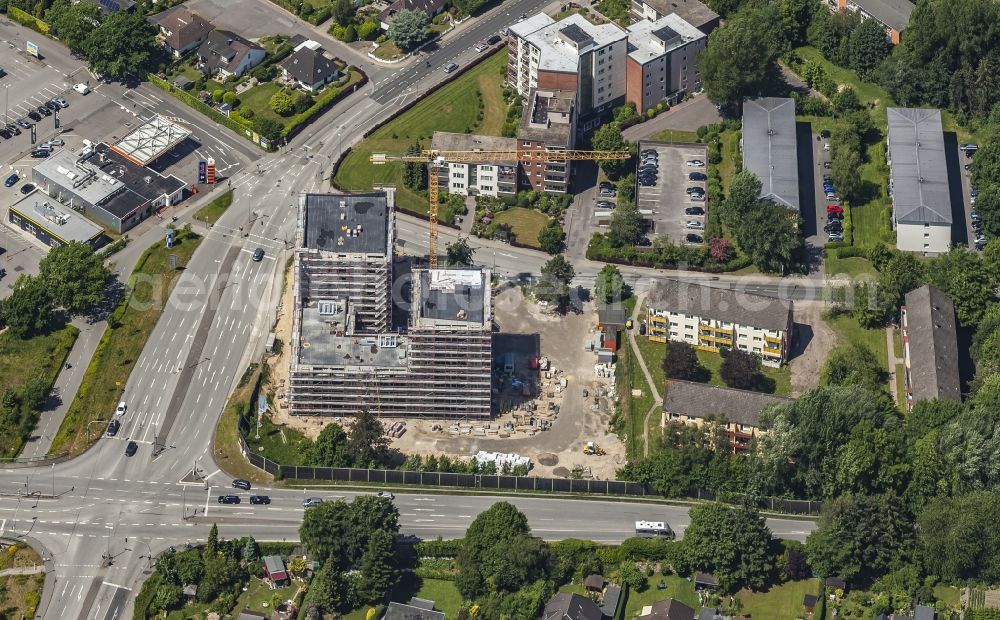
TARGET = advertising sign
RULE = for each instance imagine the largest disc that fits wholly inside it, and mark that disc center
(32, 48)
(210, 172)
(202, 170)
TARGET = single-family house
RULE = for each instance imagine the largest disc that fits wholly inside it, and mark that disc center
(567, 606)
(190, 591)
(430, 7)
(416, 609)
(246, 614)
(670, 609)
(274, 568)
(309, 67)
(227, 54)
(924, 612)
(181, 30)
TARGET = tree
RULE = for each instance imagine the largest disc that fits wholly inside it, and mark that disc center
(740, 55)
(343, 12)
(844, 170)
(212, 545)
(459, 253)
(741, 370)
(845, 100)
(859, 538)
(75, 276)
(609, 138)
(771, 237)
(609, 286)
(329, 590)
(330, 449)
(732, 543)
(414, 172)
(988, 210)
(36, 392)
(122, 46)
(367, 441)
(468, 7)
(960, 273)
(625, 188)
(409, 29)
(499, 554)
(267, 127)
(297, 565)
(551, 236)
(379, 574)
(222, 573)
(629, 575)
(985, 167)
(559, 269)
(681, 362)
(721, 249)
(958, 538)
(853, 365)
(250, 550)
(553, 286)
(323, 531)
(626, 226)
(868, 47)
(281, 103)
(28, 310)
(73, 22)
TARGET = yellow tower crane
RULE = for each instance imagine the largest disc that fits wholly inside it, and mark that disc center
(435, 159)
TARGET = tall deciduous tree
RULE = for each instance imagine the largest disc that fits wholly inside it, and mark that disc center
(323, 531)
(28, 310)
(868, 47)
(409, 29)
(741, 370)
(497, 552)
(681, 362)
(551, 237)
(459, 253)
(122, 46)
(771, 237)
(960, 274)
(609, 138)
(343, 12)
(739, 57)
(853, 365)
(75, 277)
(379, 574)
(732, 543)
(609, 286)
(959, 537)
(330, 449)
(73, 22)
(367, 441)
(626, 225)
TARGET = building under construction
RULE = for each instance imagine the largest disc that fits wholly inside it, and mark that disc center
(345, 353)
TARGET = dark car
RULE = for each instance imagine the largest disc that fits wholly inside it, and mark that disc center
(44, 111)
(825, 133)
(11, 180)
(40, 153)
(826, 165)
(241, 484)
(229, 499)
(52, 105)
(260, 499)
(833, 227)
(35, 116)
(7, 135)
(694, 211)
(258, 255)
(113, 427)
(606, 185)
(493, 40)
(692, 238)
(27, 188)
(695, 190)
(697, 176)
(131, 448)
(11, 127)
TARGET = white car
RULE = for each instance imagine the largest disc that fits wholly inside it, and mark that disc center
(122, 407)
(826, 146)
(385, 495)
(81, 88)
(696, 163)
(695, 224)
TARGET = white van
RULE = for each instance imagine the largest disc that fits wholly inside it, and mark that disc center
(81, 88)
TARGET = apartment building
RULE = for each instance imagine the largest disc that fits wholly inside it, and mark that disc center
(662, 61)
(713, 319)
(918, 180)
(548, 123)
(770, 148)
(346, 353)
(731, 414)
(893, 15)
(499, 178)
(930, 346)
(571, 55)
(694, 12)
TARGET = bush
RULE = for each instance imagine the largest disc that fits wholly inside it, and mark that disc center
(438, 548)
(368, 30)
(217, 95)
(282, 103)
(230, 98)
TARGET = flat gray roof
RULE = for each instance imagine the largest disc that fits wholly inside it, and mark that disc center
(696, 13)
(325, 343)
(893, 13)
(770, 148)
(453, 295)
(348, 223)
(919, 173)
(650, 40)
(720, 304)
(447, 141)
(560, 43)
(933, 345)
(58, 221)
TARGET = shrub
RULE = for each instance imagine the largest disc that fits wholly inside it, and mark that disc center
(230, 98)
(282, 103)
(217, 95)
(368, 30)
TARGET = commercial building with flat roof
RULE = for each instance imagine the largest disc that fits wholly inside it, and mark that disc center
(108, 186)
(770, 148)
(52, 223)
(694, 12)
(918, 180)
(716, 318)
(930, 346)
(662, 64)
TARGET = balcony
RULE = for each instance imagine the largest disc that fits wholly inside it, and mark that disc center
(770, 351)
(772, 339)
(716, 340)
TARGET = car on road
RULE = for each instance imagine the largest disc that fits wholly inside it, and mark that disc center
(35, 116)
(40, 153)
(385, 495)
(113, 427)
(448, 68)
(260, 499)
(121, 408)
(309, 502)
(44, 111)
(27, 188)
(694, 211)
(81, 88)
(229, 499)
(11, 180)
(694, 224)
(482, 46)
(258, 255)
(241, 484)
(131, 448)
(693, 238)
(23, 123)
(695, 163)
(697, 176)
(62, 103)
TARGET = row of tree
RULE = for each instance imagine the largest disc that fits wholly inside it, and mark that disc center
(767, 232)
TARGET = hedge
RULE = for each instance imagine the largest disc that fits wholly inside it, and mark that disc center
(146, 596)
(207, 110)
(438, 548)
(26, 19)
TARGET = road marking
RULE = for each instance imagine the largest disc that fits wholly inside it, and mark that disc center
(115, 585)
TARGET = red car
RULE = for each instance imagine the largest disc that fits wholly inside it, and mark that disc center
(834, 209)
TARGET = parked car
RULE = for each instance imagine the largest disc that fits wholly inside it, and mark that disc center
(81, 88)
(448, 68)
(696, 163)
(11, 180)
(606, 185)
(113, 427)
(607, 193)
(52, 105)
(980, 245)
(833, 227)
(832, 208)
(697, 197)
(694, 224)
(260, 499)
(836, 217)
(493, 40)
(229, 499)
(241, 484)
(258, 255)
(55, 142)
(11, 127)
(481, 46)
(312, 501)
(131, 449)
(62, 103)
(40, 153)
(826, 146)
(694, 211)
(649, 152)
(27, 188)
(695, 190)
(826, 165)
(7, 135)
(693, 238)
(23, 123)
(697, 176)
(35, 116)
(605, 204)
(646, 182)
(44, 111)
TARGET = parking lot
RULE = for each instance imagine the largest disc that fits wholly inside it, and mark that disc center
(664, 200)
(17, 256)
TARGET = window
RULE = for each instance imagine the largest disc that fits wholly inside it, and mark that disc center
(756, 338)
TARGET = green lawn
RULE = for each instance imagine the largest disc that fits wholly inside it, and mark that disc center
(388, 51)
(226, 447)
(870, 223)
(677, 587)
(258, 593)
(454, 107)
(21, 360)
(211, 212)
(654, 352)
(951, 596)
(851, 267)
(780, 602)
(122, 343)
(900, 386)
(866, 91)
(629, 377)
(674, 135)
(526, 223)
(730, 155)
(850, 332)
(192, 612)
(258, 99)
(281, 443)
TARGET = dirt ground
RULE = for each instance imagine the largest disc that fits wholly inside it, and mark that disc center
(814, 340)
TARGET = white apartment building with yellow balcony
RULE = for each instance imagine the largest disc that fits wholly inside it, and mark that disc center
(713, 319)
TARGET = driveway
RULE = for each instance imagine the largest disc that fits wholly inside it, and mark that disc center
(686, 116)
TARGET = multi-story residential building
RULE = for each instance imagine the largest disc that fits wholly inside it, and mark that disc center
(714, 319)
(770, 148)
(732, 414)
(571, 55)
(548, 123)
(894, 15)
(930, 346)
(662, 61)
(497, 178)
(694, 12)
(918, 180)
